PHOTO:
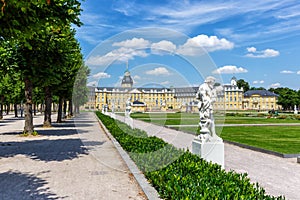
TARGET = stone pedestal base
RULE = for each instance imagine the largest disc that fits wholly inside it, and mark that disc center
(113, 115)
(129, 121)
(212, 150)
(296, 112)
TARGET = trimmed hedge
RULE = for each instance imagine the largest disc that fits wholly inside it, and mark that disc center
(178, 174)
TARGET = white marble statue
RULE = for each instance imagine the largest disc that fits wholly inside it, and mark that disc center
(206, 96)
(295, 110)
(113, 108)
(102, 110)
(128, 107)
(105, 108)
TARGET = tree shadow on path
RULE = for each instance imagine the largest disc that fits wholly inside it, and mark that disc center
(45, 150)
(23, 186)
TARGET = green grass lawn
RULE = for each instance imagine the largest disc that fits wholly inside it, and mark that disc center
(189, 118)
(281, 139)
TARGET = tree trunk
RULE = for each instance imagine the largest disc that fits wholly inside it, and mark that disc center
(48, 103)
(70, 108)
(65, 109)
(16, 109)
(28, 128)
(34, 109)
(1, 107)
(59, 113)
(42, 108)
(7, 108)
(76, 109)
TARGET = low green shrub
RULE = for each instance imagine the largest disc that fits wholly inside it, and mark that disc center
(261, 115)
(282, 117)
(178, 174)
(296, 117)
(230, 114)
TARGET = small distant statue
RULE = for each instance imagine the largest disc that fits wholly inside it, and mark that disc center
(128, 107)
(113, 108)
(105, 108)
(295, 110)
(206, 95)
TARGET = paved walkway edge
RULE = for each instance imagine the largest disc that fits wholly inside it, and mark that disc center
(282, 155)
(149, 191)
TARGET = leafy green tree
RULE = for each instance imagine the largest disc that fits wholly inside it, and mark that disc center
(28, 23)
(61, 71)
(80, 90)
(11, 86)
(241, 83)
(287, 97)
(259, 88)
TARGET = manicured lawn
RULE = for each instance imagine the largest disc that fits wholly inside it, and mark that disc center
(258, 120)
(282, 139)
(188, 118)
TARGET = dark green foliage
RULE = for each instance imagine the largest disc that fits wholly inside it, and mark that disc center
(241, 83)
(287, 97)
(181, 175)
(190, 177)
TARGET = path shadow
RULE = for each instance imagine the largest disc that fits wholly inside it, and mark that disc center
(3, 121)
(24, 186)
(67, 124)
(50, 132)
(45, 150)
(84, 121)
(14, 119)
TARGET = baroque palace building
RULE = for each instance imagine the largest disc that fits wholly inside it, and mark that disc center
(178, 99)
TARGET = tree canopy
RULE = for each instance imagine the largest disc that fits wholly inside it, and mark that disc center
(241, 83)
(38, 45)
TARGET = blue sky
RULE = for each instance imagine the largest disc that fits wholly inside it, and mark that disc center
(179, 43)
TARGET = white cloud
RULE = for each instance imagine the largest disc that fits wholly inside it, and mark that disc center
(251, 49)
(163, 47)
(136, 47)
(134, 43)
(275, 85)
(165, 83)
(230, 69)
(93, 83)
(287, 72)
(258, 82)
(101, 75)
(137, 77)
(267, 53)
(121, 54)
(158, 71)
(298, 72)
(195, 45)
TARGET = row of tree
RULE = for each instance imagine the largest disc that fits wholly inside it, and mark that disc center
(40, 57)
(288, 98)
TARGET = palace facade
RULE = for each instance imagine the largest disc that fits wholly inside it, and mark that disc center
(179, 99)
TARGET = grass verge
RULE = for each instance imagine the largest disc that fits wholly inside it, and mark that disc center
(283, 139)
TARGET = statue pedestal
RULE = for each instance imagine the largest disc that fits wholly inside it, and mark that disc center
(129, 121)
(113, 115)
(210, 150)
(296, 112)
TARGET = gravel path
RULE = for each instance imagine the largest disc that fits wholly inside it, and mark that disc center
(63, 162)
(279, 176)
